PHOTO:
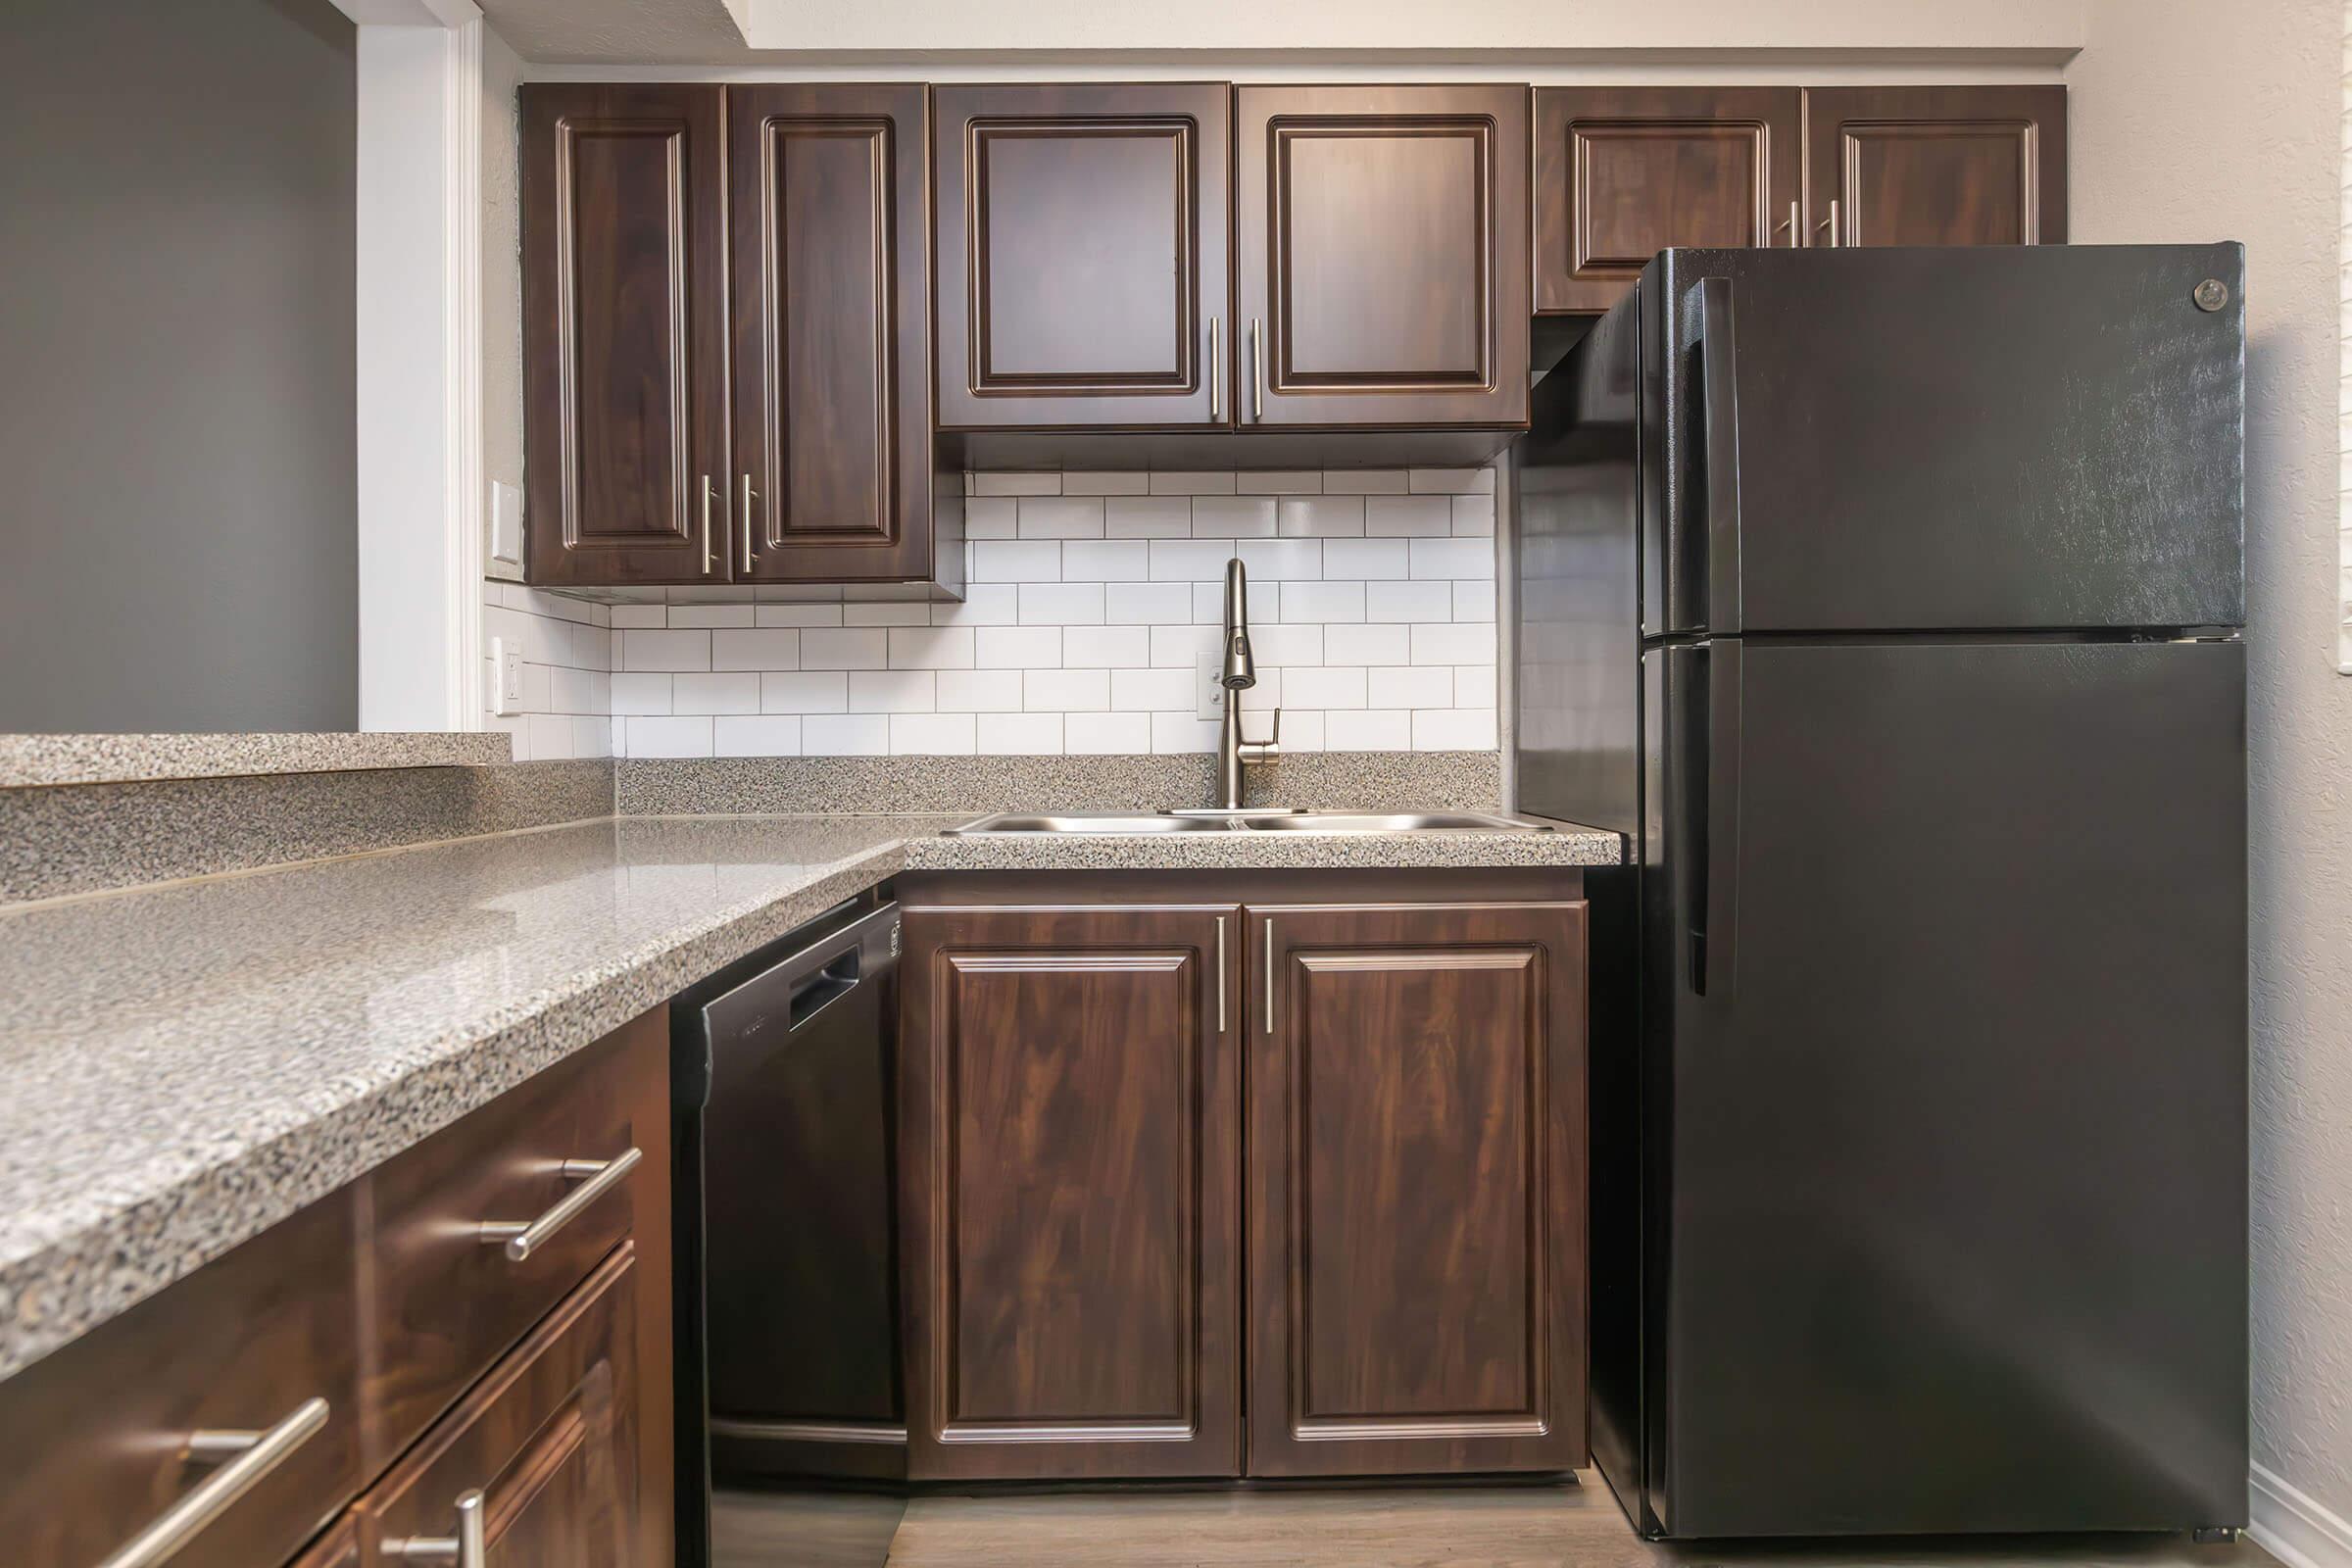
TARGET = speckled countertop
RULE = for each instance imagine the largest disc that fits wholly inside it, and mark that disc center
(190, 1064)
(42, 759)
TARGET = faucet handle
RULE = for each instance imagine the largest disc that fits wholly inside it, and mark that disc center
(1259, 751)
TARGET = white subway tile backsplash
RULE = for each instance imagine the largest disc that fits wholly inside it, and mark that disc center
(1140, 691)
(1366, 557)
(1107, 646)
(979, 690)
(1191, 484)
(845, 735)
(1061, 518)
(1454, 558)
(1017, 560)
(1374, 729)
(1108, 735)
(1068, 691)
(892, 691)
(1372, 643)
(1455, 643)
(1019, 734)
(1092, 597)
(1106, 561)
(769, 735)
(668, 737)
(931, 647)
(992, 517)
(735, 692)
(1322, 600)
(844, 648)
(665, 649)
(1016, 647)
(932, 735)
(1078, 483)
(1233, 518)
(1147, 517)
(1148, 603)
(805, 691)
(798, 614)
(1062, 604)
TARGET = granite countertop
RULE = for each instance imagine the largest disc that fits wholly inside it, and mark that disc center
(188, 1065)
(41, 759)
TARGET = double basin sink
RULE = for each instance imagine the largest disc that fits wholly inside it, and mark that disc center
(1248, 822)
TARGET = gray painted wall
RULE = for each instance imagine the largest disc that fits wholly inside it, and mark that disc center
(178, 546)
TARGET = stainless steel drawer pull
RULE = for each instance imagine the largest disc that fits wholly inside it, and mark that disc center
(1220, 974)
(596, 1177)
(470, 1547)
(1269, 977)
(708, 490)
(244, 1457)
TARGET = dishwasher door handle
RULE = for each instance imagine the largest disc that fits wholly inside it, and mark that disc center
(823, 972)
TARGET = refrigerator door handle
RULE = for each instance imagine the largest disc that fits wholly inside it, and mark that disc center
(1714, 796)
(1718, 369)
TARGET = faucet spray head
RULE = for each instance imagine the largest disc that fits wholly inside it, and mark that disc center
(1241, 670)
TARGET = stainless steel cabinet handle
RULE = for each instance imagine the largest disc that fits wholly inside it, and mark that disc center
(249, 1456)
(1836, 236)
(748, 554)
(470, 1547)
(1216, 374)
(1795, 226)
(1258, 373)
(708, 490)
(1220, 974)
(1269, 977)
(596, 1177)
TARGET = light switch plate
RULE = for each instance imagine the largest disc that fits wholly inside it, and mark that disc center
(1208, 689)
(505, 675)
(506, 522)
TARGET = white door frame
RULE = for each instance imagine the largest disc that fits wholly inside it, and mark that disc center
(420, 340)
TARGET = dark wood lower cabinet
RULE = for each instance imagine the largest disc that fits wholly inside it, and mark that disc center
(1416, 1189)
(1077, 1198)
(1071, 1158)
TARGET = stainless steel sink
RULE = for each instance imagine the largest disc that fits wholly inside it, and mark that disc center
(1275, 822)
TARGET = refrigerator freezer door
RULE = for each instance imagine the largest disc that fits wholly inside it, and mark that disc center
(1984, 438)
(1953, 1205)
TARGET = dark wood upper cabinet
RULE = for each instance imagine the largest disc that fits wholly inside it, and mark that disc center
(832, 475)
(624, 332)
(1380, 244)
(1416, 1189)
(1624, 173)
(1070, 1147)
(1083, 277)
(1936, 165)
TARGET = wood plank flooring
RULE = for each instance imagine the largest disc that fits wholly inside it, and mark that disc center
(1435, 1527)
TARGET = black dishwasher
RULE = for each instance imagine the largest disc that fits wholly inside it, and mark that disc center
(790, 1404)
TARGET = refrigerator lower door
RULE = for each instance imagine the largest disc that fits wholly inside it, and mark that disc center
(1949, 1219)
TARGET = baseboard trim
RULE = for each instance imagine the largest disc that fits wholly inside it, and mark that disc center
(2293, 1526)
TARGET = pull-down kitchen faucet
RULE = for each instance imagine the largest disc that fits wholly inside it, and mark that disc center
(1238, 674)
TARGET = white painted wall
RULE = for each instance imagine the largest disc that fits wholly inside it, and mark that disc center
(2196, 122)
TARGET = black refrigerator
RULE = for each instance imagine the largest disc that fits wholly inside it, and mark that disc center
(1890, 602)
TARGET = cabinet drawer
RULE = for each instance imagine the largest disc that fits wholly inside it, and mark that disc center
(543, 1456)
(445, 1301)
(95, 1439)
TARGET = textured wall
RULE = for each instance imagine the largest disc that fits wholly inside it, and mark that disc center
(2196, 123)
(177, 420)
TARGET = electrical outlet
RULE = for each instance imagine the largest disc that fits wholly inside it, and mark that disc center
(1208, 686)
(506, 522)
(505, 675)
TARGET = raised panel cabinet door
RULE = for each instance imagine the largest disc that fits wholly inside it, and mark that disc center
(832, 419)
(550, 1442)
(1071, 1156)
(1416, 1189)
(1381, 245)
(625, 350)
(1083, 257)
(1623, 172)
(1936, 165)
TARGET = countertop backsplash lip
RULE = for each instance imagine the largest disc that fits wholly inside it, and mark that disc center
(35, 760)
